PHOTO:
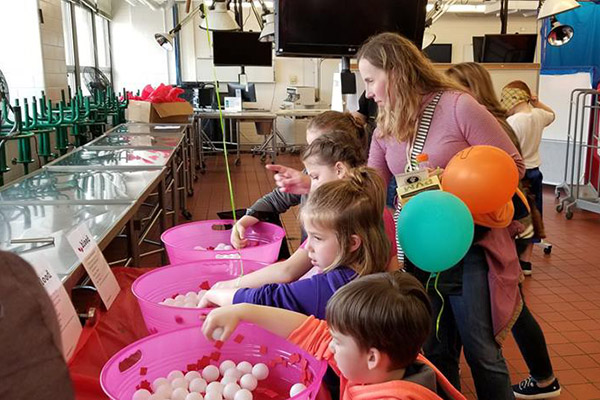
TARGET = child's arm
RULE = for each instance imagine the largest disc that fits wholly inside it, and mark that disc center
(535, 101)
(281, 272)
(280, 322)
(308, 296)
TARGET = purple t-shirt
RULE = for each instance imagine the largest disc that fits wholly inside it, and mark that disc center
(306, 296)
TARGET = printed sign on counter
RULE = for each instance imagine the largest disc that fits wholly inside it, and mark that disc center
(95, 264)
(70, 327)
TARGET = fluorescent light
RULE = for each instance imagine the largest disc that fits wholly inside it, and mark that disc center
(462, 8)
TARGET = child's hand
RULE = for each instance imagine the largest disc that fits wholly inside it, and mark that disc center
(238, 241)
(217, 298)
(238, 233)
(226, 318)
(290, 180)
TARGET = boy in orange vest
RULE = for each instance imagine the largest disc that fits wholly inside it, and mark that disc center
(372, 337)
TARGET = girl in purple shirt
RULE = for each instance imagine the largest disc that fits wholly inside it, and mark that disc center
(346, 239)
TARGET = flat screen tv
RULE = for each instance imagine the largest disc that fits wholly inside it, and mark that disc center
(335, 28)
(509, 48)
(477, 48)
(241, 48)
(439, 53)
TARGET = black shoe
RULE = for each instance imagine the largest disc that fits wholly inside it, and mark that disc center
(526, 267)
(529, 389)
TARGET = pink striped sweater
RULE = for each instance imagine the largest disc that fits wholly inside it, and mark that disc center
(460, 122)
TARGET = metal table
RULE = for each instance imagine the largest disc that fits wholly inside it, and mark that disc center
(156, 130)
(81, 187)
(117, 159)
(155, 141)
(55, 221)
(132, 188)
(232, 117)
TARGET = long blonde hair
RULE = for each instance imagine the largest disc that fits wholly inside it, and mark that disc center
(410, 76)
(353, 206)
(477, 80)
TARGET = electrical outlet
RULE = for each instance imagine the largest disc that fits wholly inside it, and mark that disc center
(293, 79)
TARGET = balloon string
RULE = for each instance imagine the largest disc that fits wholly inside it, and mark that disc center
(222, 123)
(439, 316)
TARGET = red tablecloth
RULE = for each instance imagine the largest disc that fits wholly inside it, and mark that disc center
(113, 330)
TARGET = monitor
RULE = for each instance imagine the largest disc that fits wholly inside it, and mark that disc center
(509, 48)
(477, 48)
(247, 91)
(334, 28)
(241, 49)
(439, 53)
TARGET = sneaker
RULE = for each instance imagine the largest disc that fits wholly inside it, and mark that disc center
(526, 267)
(528, 389)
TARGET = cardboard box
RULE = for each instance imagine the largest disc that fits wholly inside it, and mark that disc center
(144, 111)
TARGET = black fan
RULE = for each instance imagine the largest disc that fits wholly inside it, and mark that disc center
(95, 79)
(3, 88)
(3, 94)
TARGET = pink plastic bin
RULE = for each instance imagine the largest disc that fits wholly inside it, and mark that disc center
(181, 240)
(164, 352)
(154, 286)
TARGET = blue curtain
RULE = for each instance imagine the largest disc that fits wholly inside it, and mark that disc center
(584, 48)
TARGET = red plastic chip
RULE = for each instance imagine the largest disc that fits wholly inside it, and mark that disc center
(239, 339)
(218, 344)
(263, 350)
(204, 285)
(215, 355)
(294, 358)
(143, 371)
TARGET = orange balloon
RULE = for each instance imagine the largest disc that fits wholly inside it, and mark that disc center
(483, 177)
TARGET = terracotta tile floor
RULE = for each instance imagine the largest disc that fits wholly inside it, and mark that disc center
(563, 293)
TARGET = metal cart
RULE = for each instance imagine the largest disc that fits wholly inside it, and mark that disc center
(581, 183)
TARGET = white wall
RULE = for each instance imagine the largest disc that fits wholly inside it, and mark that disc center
(53, 48)
(137, 59)
(459, 29)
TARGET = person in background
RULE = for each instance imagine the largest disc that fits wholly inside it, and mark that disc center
(528, 117)
(374, 330)
(481, 293)
(527, 332)
(31, 361)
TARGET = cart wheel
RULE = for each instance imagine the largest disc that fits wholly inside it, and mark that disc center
(559, 207)
(203, 166)
(548, 249)
(263, 158)
(569, 214)
(237, 161)
(186, 214)
(191, 192)
(557, 194)
(282, 149)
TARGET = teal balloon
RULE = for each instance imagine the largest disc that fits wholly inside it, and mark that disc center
(435, 230)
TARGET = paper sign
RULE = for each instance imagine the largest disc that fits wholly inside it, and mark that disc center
(70, 327)
(95, 264)
(233, 104)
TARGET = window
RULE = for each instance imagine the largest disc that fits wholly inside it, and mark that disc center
(87, 42)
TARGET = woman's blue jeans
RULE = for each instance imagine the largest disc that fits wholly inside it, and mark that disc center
(466, 322)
